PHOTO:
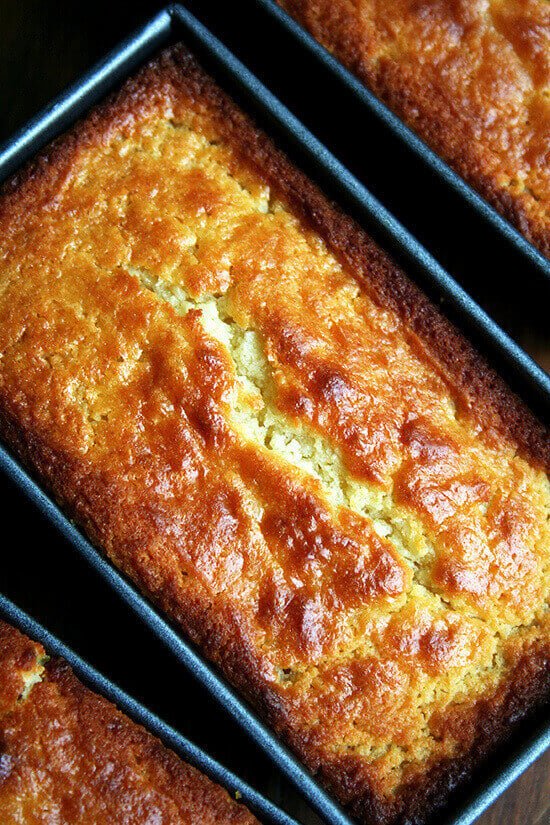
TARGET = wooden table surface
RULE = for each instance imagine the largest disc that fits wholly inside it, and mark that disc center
(44, 45)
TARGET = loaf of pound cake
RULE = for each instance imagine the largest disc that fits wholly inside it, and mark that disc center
(259, 419)
(69, 757)
(470, 77)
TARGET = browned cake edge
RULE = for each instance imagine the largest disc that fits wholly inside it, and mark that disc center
(422, 108)
(176, 76)
(177, 774)
(18, 652)
(18, 655)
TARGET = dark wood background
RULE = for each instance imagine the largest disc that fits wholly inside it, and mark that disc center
(46, 44)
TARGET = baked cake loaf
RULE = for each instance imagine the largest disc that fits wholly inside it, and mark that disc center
(470, 77)
(68, 756)
(265, 425)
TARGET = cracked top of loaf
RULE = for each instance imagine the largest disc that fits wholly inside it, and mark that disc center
(265, 424)
(470, 77)
(69, 757)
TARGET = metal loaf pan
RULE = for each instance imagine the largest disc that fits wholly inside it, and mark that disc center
(189, 752)
(176, 23)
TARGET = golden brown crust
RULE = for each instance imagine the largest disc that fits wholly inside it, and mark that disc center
(363, 594)
(69, 756)
(470, 78)
(488, 723)
(19, 660)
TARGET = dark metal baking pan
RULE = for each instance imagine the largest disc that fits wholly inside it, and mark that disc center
(189, 752)
(521, 373)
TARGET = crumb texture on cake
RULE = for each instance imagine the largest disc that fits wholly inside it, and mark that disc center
(258, 418)
(22, 665)
(470, 77)
(69, 757)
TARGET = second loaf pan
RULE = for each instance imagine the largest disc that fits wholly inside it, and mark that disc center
(520, 372)
(268, 813)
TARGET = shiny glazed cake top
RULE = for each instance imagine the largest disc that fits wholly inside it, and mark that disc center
(272, 444)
